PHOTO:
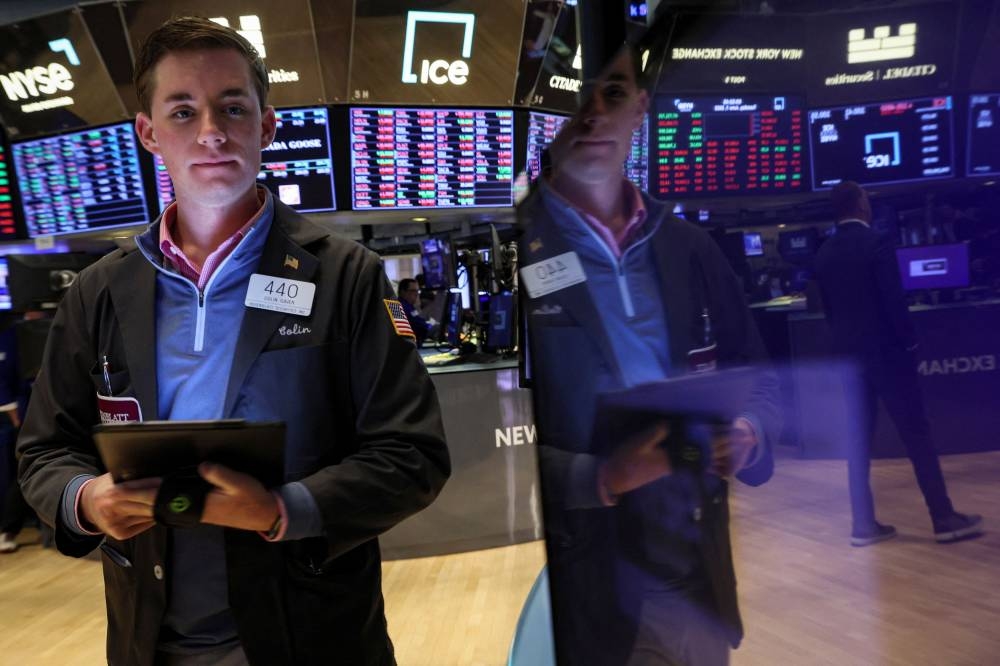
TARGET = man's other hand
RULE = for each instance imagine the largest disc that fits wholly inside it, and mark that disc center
(238, 500)
(640, 460)
(732, 447)
(120, 510)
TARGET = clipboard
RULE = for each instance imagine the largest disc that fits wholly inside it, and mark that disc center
(161, 448)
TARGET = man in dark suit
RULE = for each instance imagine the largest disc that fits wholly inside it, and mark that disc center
(870, 322)
(409, 298)
(623, 294)
(185, 323)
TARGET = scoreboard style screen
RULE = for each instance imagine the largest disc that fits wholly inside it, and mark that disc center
(81, 181)
(733, 145)
(297, 167)
(8, 226)
(887, 142)
(984, 135)
(543, 128)
(431, 158)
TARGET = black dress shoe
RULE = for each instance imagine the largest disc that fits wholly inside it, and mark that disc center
(956, 527)
(871, 535)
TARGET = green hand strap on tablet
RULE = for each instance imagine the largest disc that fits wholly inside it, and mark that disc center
(181, 499)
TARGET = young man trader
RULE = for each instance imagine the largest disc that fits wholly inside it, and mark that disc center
(868, 316)
(285, 575)
(639, 557)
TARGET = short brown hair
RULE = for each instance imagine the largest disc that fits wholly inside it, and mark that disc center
(191, 33)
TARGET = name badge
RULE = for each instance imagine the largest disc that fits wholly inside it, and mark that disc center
(267, 292)
(552, 274)
(118, 409)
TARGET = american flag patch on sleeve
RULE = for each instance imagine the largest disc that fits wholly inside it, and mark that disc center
(398, 318)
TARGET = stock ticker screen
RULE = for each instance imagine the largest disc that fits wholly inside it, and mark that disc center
(431, 158)
(885, 142)
(81, 181)
(543, 128)
(297, 167)
(733, 145)
(984, 135)
(8, 227)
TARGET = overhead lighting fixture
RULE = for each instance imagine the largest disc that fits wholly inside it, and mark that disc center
(419, 219)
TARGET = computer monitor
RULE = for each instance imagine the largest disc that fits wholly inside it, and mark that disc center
(82, 181)
(38, 281)
(431, 158)
(753, 244)
(501, 331)
(884, 142)
(5, 302)
(798, 246)
(436, 259)
(726, 145)
(934, 266)
(451, 323)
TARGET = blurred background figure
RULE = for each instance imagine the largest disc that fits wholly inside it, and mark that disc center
(868, 316)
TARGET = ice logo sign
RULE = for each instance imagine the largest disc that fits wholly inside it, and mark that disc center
(43, 80)
(883, 158)
(882, 45)
(438, 72)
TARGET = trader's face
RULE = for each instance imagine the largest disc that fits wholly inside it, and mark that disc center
(591, 148)
(206, 123)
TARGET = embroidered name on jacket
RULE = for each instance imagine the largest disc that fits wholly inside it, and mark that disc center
(294, 329)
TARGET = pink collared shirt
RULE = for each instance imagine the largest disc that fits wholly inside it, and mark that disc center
(182, 264)
(635, 212)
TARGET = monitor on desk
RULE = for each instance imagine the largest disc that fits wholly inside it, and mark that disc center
(934, 266)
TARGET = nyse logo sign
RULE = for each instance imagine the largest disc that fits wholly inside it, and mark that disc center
(43, 81)
(438, 72)
(882, 45)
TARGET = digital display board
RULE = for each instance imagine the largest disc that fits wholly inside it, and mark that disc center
(934, 266)
(297, 167)
(164, 186)
(749, 144)
(5, 302)
(984, 135)
(888, 142)
(543, 128)
(8, 226)
(81, 181)
(433, 158)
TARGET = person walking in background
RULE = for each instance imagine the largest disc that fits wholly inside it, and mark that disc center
(870, 322)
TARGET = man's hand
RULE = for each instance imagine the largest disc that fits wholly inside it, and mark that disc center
(120, 510)
(238, 500)
(732, 447)
(639, 460)
(15, 420)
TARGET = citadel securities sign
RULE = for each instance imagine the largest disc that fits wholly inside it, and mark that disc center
(281, 32)
(902, 52)
(52, 78)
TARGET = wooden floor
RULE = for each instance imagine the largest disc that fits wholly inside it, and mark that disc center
(807, 596)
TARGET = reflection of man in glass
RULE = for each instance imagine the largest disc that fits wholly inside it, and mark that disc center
(639, 556)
